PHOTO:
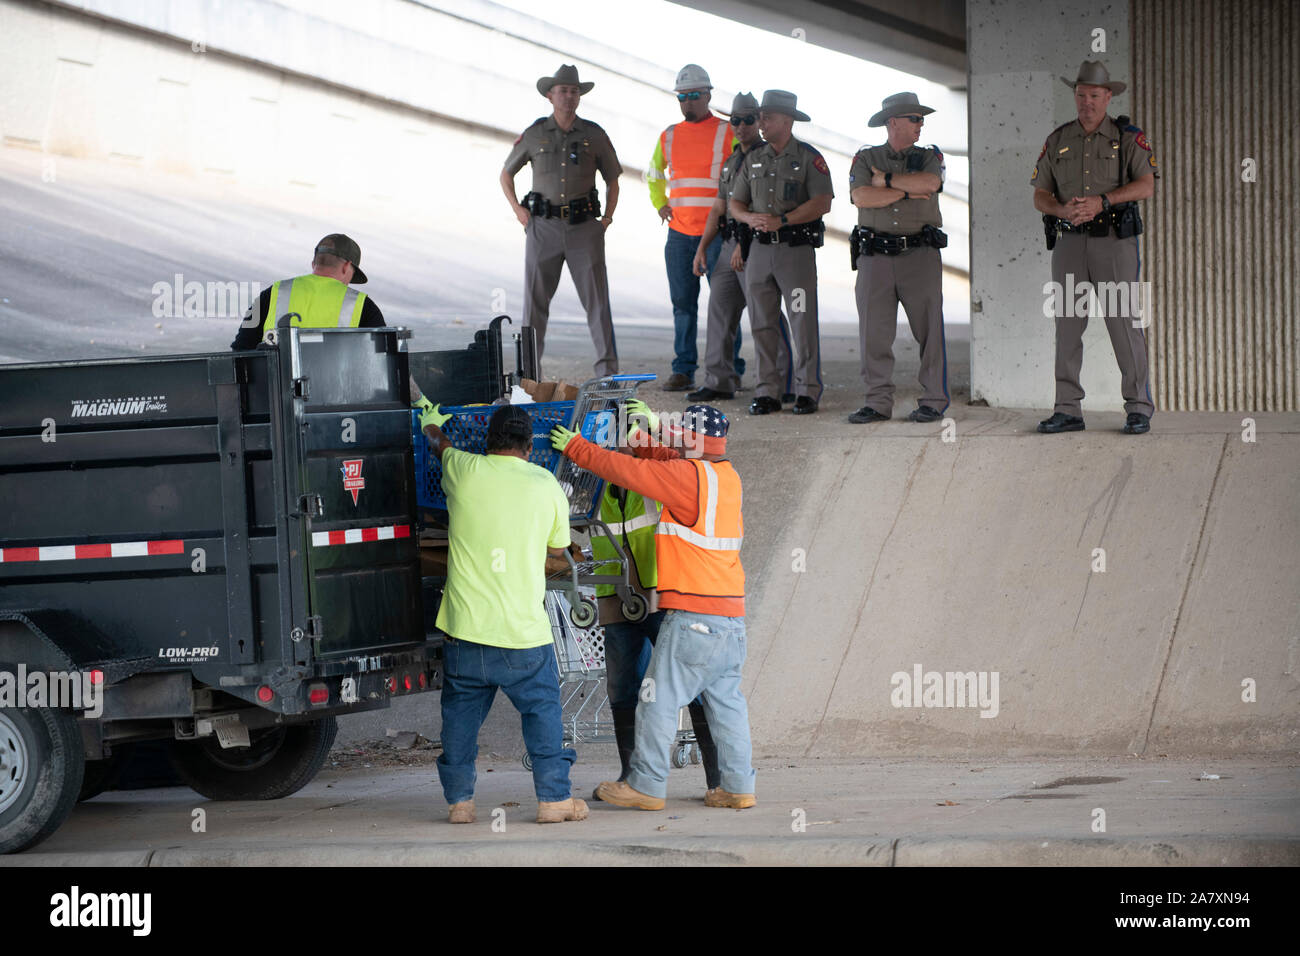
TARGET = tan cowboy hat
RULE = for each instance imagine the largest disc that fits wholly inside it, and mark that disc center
(900, 104)
(782, 101)
(566, 75)
(1092, 73)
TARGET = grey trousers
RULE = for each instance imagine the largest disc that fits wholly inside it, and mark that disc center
(776, 273)
(1080, 258)
(550, 244)
(726, 302)
(914, 278)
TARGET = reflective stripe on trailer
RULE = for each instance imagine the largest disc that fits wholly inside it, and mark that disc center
(322, 539)
(71, 552)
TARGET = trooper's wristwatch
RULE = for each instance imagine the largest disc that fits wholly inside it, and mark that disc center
(784, 220)
(1105, 203)
(889, 179)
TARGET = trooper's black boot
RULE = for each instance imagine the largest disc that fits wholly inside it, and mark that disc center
(708, 749)
(624, 739)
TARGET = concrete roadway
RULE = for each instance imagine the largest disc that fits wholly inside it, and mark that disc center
(868, 812)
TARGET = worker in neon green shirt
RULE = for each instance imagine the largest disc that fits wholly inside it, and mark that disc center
(505, 514)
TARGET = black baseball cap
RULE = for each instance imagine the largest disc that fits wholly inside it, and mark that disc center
(337, 244)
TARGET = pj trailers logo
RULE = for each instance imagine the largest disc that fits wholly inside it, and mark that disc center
(352, 480)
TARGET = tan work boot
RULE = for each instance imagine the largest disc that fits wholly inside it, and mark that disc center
(559, 811)
(462, 812)
(621, 795)
(717, 797)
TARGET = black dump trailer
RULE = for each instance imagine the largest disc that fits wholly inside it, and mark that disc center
(217, 550)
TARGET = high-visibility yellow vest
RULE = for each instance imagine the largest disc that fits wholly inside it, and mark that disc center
(322, 302)
(633, 524)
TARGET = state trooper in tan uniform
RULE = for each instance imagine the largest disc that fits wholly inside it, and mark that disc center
(1090, 175)
(726, 284)
(784, 193)
(561, 215)
(895, 250)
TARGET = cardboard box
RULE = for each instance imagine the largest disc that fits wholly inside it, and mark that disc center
(549, 391)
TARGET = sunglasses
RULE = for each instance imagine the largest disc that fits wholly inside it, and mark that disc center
(749, 120)
(912, 118)
(692, 95)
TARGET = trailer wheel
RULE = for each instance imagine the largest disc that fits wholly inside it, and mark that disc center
(41, 766)
(279, 761)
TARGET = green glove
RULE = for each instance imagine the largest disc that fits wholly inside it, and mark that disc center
(560, 437)
(430, 414)
(638, 408)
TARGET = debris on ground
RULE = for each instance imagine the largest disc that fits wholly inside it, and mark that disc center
(398, 750)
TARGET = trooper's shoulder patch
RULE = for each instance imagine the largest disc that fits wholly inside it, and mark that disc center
(1034, 175)
(819, 164)
(519, 139)
(1042, 152)
(1140, 138)
(938, 153)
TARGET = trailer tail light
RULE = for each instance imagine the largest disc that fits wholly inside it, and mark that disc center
(408, 681)
(96, 677)
(318, 694)
(424, 680)
(265, 694)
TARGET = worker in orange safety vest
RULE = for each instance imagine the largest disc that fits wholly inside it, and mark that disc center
(683, 180)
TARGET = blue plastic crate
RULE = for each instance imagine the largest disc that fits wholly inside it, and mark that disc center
(467, 430)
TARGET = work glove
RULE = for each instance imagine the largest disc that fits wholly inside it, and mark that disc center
(430, 414)
(560, 437)
(637, 408)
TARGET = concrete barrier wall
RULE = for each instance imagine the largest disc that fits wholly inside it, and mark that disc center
(249, 91)
(876, 555)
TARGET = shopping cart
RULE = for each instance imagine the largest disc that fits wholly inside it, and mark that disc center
(580, 654)
(596, 416)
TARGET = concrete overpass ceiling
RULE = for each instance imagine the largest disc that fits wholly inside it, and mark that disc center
(924, 37)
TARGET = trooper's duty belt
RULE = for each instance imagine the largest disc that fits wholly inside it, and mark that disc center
(1124, 220)
(804, 234)
(865, 241)
(574, 211)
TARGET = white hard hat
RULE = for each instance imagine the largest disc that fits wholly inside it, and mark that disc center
(692, 77)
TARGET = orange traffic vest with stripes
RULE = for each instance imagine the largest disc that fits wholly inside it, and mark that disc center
(699, 564)
(693, 155)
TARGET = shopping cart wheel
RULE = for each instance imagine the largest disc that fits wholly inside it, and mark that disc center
(634, 608)
(528, 762)
(583, 614)
(695, 754)
(681, 755)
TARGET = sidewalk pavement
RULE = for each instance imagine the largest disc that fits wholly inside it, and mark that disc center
(877, 812)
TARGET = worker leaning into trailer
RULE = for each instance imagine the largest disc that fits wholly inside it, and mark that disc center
(323, 299)
(504, 515)
(631, 520)
(701, 584)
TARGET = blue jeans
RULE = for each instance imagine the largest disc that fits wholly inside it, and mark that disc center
(531, 679)
(627, 655)
(695, 654)
(684, 290)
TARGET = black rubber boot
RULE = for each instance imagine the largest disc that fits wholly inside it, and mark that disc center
(624, 739)
(708, 749)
